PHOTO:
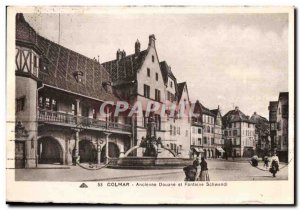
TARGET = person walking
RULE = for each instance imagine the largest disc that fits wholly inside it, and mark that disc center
(266, 161)
(204, 171)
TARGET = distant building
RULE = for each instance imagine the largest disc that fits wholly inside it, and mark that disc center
(239, 134)
(282, 126)
(208, 119)
(273, 105)
(197, 131)
(218, 133)
(262, 135)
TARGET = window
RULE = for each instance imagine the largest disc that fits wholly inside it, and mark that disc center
(199, 141)
(230, 125)
(212, 130)
(74, 111)
(156, 76)
(174, 131)
(54, 105)
(47, 103)
(171, 130)
(157, 95)
(148, 72)
(34, 61)
(208, 129)
(234, 125)
(199, 130)
(226, 133)
(147, 91)
(235, 132)
(41, 102)
(171, 84)
(170, 96)
(94, 114)
(205, 140)
(229, 133)
(20, 104)
(157, 122)
(153, 58)
(212, 141)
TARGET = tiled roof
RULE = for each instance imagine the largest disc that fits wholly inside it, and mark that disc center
(261, 124)
(126, 68)
(215, 112)
(180, 87)
(235, 116)
(63, 62)
(205, 110)
(283, 95)
(166, 71)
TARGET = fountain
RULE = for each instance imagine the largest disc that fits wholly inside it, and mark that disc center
(151, 158)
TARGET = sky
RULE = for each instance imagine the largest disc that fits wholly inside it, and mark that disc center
(226, 59)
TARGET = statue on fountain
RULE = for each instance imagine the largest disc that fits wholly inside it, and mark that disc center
(150, 143)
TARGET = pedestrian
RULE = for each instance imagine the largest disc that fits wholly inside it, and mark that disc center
(275, 159)
(191, 172)
(266, 161)
(204, 171)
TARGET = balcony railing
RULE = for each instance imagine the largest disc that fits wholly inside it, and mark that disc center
(72, 120)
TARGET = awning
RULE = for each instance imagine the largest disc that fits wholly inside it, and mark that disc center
(220, 149)
(198, 149)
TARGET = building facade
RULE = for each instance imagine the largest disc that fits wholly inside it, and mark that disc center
(197, 131)
(262, 135)
(282, 126)
(58, 96)
(239, 134)
(218, 133)
(273, 123)
(148, 80)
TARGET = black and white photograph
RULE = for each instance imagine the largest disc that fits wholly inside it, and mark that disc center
(151, 97)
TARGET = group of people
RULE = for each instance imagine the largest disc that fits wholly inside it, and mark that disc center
(198, 171)
(273, 167)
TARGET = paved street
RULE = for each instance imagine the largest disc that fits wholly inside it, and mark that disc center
(219, 170)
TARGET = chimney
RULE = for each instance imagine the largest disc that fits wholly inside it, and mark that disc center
(123, 54)
(254, 113)
(236, 108)
(137, 47)
(152, 40)
(119, 54)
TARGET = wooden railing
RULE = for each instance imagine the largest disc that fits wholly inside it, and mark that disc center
(59, 117)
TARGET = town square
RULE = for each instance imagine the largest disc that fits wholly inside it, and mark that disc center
(132, 117)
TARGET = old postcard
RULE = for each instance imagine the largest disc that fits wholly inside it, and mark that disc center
(150, 105)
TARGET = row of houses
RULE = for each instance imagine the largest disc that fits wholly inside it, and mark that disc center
(279, 133)
(59, 94)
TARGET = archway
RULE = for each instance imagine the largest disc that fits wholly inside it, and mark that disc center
(87, 152)
(49, 151)
(113, 151)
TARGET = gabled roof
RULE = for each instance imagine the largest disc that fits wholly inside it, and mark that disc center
(283, 95)
(235, 115)
(62, 63)
(215, 112)
(205, 110)
(166, 71)
(126, 68)
(261, 124)
(180, 89)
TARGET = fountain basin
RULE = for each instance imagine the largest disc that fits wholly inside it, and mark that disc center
(150, 163)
